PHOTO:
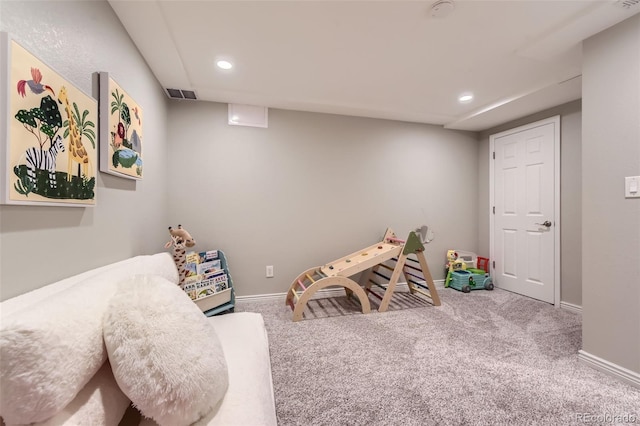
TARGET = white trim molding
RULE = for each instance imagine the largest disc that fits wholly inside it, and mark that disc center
(321, 294)
(607, 367)
(267, 296)
(576, 309)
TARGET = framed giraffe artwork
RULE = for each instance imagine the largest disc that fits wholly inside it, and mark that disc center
(48, 155)
(120, 131)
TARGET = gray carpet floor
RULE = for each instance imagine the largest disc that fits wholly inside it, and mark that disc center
(483, 358)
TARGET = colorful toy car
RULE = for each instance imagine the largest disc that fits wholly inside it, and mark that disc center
(470, 279)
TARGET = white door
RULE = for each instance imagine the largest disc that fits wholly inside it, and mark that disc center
(525, 196)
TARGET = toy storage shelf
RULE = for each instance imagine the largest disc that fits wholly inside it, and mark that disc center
(219, 302)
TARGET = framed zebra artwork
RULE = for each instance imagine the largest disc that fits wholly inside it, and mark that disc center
(120, 131)
(48, 153)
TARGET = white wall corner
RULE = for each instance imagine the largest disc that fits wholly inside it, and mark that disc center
(607, 367)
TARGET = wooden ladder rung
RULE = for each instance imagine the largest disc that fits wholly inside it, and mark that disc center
(386, 266)
(374, 294)
(414, 275)
(380, 275)
(300, 283)
(424, 293)
(290, 302)
(418, 284)
(412, 267)
(378, 284)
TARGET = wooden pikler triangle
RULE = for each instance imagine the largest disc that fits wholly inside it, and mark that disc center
(370, 259)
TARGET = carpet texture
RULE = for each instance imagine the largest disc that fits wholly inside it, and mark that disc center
(483, 358)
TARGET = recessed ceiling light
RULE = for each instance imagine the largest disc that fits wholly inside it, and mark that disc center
(441, 8)
(465, 98)
(225, 65)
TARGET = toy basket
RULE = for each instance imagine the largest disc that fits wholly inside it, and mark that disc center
(471, 279)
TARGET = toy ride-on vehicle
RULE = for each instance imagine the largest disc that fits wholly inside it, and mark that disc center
(470, 279)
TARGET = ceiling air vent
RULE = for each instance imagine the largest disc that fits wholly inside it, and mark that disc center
(189, 94)
(182, 94)
(627, 4)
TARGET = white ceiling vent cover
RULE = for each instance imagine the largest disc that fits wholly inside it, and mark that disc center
(182, 94)
(248, 115)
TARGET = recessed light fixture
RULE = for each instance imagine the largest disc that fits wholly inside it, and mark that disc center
(441, 8)
(465, 98)
(225, 65)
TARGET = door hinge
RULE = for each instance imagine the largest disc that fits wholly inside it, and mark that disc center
(494, 264)
(494, 155)
(494, 209)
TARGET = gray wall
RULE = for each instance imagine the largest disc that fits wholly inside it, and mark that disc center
(570, 194)
(611, 223)
(39, 245)
(315, 187)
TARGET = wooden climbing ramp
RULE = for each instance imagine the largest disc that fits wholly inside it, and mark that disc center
(374, 260)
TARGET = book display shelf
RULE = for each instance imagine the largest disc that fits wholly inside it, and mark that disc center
(209, 282)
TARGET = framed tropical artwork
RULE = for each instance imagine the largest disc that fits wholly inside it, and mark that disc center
(120, 131)
(48, 153)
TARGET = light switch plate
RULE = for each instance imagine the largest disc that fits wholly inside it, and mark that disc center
(632, 187)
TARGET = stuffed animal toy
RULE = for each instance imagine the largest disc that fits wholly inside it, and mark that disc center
(180, 240)
(453, 264)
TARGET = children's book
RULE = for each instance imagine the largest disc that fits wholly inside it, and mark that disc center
(206, 256)
(191, 290)
(209, 267)
(191, 269)
(192, 280)
(191, 266)
(221, 281)
(205, 288)
(221, 286)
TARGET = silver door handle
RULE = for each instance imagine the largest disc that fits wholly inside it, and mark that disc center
(545, 223)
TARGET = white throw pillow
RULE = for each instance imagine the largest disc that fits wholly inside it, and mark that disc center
(164, 354)
(49, 351)
(100, 402)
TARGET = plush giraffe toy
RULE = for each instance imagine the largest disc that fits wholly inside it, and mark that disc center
(180, 240)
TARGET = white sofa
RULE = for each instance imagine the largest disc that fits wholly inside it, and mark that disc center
(55, 367)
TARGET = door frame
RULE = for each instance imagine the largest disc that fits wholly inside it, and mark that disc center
(556, 198)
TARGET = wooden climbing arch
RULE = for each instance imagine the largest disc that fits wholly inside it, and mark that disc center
(373, 259)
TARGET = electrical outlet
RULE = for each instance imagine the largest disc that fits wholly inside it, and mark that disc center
(269, 271)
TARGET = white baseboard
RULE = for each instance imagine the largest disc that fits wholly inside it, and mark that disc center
(571, 307)
(268, 296)
(321, 294)
(614, 370)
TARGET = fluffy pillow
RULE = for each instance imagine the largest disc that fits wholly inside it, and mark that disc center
(51, 338)
(50, 350)
(100, 402)
(164, 354)
(160, 264)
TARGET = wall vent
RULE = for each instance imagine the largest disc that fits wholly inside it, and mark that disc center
(628, 4)
(181, 94)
